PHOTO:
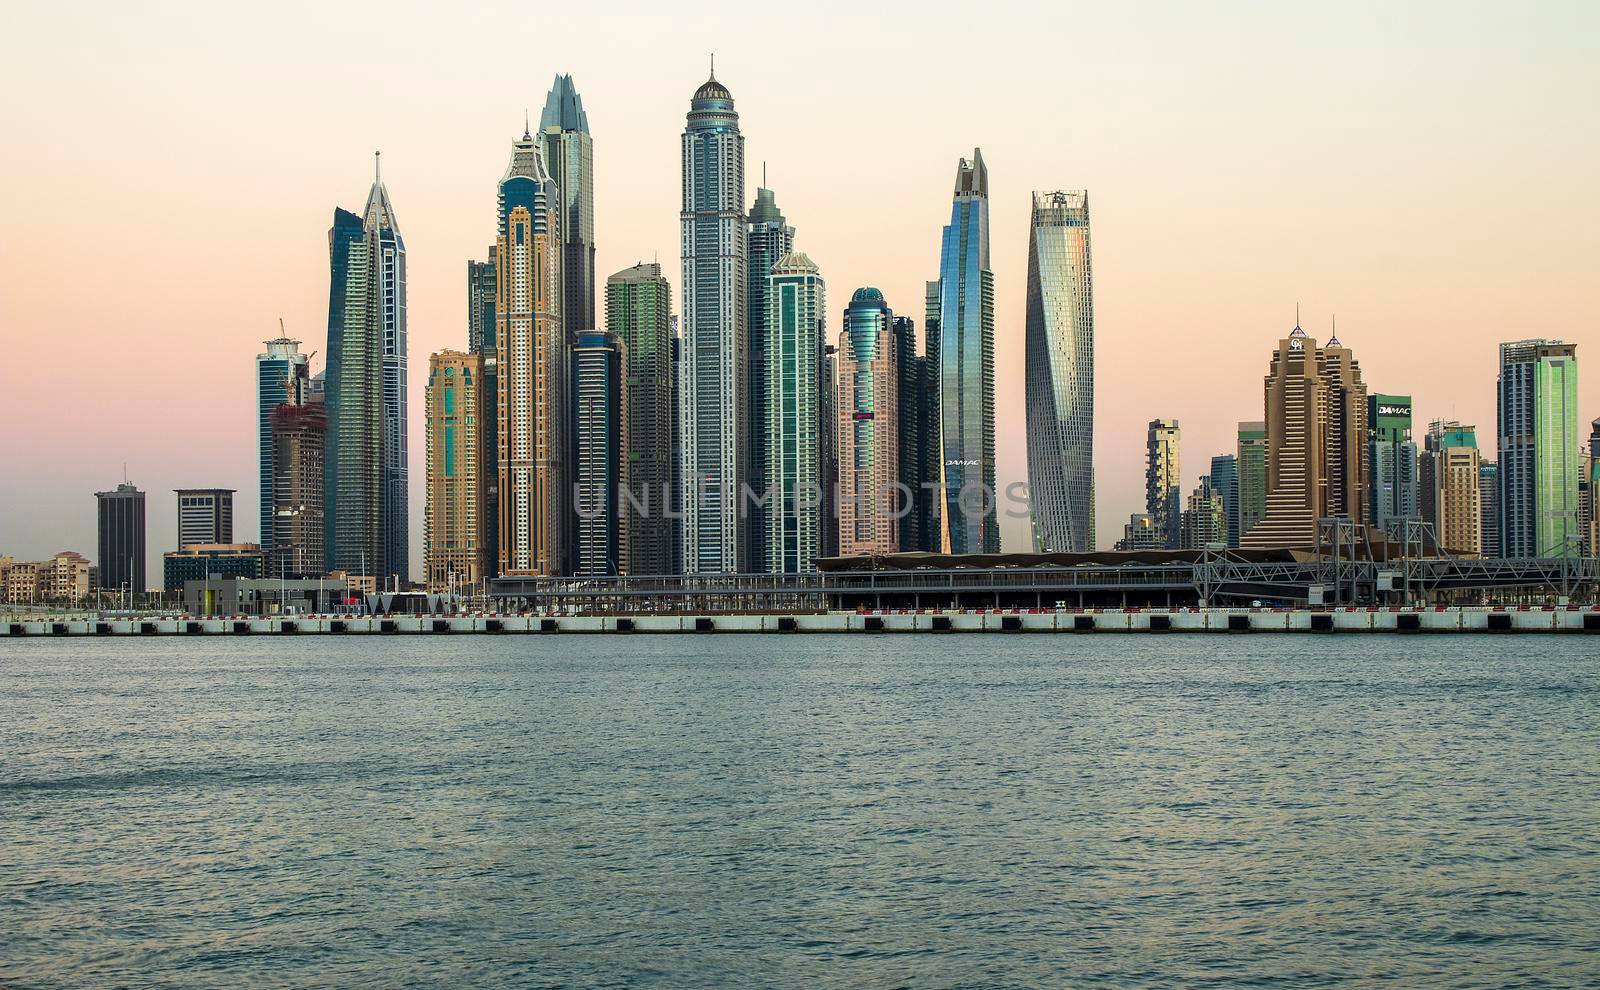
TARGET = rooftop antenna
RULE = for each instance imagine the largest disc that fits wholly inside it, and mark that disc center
(377, 166)
(527, 131)
(281, 331)
(713, 65)
(763, 175)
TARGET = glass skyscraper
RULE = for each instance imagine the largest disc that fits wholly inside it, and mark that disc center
(968, 515)
(532, 348)
(1539, 449)
(275, 367)
(353, 466)
(1225, 483)
(796, 310)
(481, 295)
(600, 437)
(120, 516)
(769, 239)
(569, 158)
(389, 282)
(715, 427)
(639, 313)
(1060, 373)
(869, 432)
(1392, 466)
(1252, 453)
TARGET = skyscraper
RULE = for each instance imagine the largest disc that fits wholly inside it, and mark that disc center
(205, 515)
(1059, 375)
(796, 311)
(829, 443)
(1252, 452)
(968, 516)
(1592, 477)
(274, 368)
(1489, 507)
(639, 313)
(1316, 408)
(353, 485)
(912, 372)
(299, 474)
(569, 159)
(121, 532)
(1205, 519)
(868, 407)
(532, 354)
(716, 373)
(1539, 453)
(1163, 476)
(928, 499)
(1392, 483)
(769, 239)
(389, 282)
(1225, 482)
(454, 534)
(600, 439)
(481, 329)
(1454, 475)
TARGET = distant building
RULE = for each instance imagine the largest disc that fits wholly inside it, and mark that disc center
(455, 551)
(1252, 453)
(281, 363)
(121, 529)
(63, 579)
(639, 313)
(1059, 373)
(769, 239)
(928, 498)
(201, 561)
(1225, 482)
(481, 290)
(205, 515)
(1489, 508)
(797, 311)
(1538, 449)
(1592, 485)
(1142, 533)
(868, 408)
(1163, 474)
(1205, 518)
(600, 438)
(828, 458)
(1392, 479)
(1453, 470)
(913, 440)
(1316, 408)
(299, 435)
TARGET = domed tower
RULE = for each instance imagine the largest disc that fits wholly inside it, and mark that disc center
(715, 379)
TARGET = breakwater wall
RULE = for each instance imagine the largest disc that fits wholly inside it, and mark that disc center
(1510, 619)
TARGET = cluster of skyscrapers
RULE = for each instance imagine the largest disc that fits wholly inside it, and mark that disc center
(1330, 450)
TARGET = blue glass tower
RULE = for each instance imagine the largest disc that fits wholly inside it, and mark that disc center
(968, 518)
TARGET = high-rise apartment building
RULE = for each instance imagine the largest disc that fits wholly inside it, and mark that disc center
(928, 499)
(455, 531)
(715, 423)
(299, 473)
(1316, 408)
(205, 515)
(1538, 449)
(481, 329)
(915, 535)
(1141, 533)
(1591, 477)
(1252, 453)
(275, 367)
(531, 346)
(639, 313)
(600, 440)
(792, 377)
(1489, 507)
(769, 239)
(968, 510)
(869, 434)
(389, 282)
(1205, 518)
(569, 160)
(1453, 470)
(1163, 475)
(1392, 482)
(1059, 375)
(121, 539)
(1225, 482)
(828, 458)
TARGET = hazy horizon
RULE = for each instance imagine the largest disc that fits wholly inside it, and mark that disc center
(1425, 172)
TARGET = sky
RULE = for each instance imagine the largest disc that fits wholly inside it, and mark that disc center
(1424, 171)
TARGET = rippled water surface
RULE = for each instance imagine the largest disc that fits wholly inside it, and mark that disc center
(801, 811)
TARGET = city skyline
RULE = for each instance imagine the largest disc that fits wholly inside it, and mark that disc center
(1245, 310)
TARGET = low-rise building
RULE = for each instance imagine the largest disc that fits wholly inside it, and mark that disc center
(210, 560)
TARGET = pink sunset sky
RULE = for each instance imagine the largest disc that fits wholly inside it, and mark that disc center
(1426, 171)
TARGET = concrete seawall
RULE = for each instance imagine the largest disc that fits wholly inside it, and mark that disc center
(1532, 619)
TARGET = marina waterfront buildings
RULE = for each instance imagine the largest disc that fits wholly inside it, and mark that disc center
(968, 511)
(1163, 475)
(600, 438)
(714, 406)
(531, 345)
(870, 495)
(275, 368)
(455, 554)
(1059, 378)
(1537, 427)
(1316, 417)
(120, 525)
(796, 300)
(639, 314)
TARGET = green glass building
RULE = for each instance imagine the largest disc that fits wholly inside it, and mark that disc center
(639, 314)
(1539, 453)
(792, 388)
(1252, 468)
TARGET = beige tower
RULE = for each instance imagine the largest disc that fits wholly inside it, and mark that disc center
(455, 536)
(1316, 413)
(867, 410)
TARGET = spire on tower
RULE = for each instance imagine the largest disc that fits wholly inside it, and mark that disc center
(527, 126)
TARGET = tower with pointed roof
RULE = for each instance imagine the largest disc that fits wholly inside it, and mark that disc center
(769, 240)
(569, 158)
(715, 380)
(532, 350)
(389, 272)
